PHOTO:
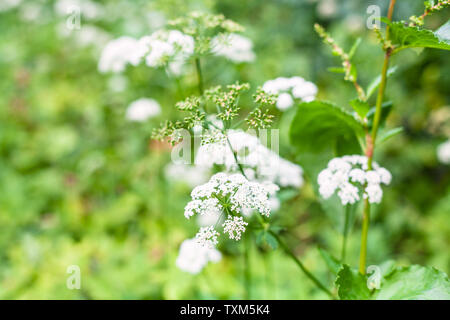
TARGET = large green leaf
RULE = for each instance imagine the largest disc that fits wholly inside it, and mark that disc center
(352, 285)
(403, 36)
(414, 283)
(397, 283)
(319, 126)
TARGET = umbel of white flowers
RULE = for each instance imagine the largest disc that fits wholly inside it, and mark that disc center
(259, 162)
(289, 89)
(349, 176)
(193, 257)
(171, 49)
(231, 195)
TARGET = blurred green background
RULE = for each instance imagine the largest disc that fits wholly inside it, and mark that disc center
(81, 185)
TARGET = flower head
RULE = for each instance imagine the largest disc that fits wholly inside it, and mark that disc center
(230, 194)
(349, 176)
(289, 89)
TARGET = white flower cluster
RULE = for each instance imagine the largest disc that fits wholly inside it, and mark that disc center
(289, 89)
(120, 52)
(259, 162)
(348, 175)
(443, 152)
(143, 109)
(170, 48)
(234, 47)
(193, 257)
(230, 194)
(162, 48)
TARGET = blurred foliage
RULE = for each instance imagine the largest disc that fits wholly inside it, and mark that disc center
(80, 185)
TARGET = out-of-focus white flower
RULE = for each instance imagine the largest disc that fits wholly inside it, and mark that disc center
(232, 195)
(143, 109)
(349, 175)
(87, 35)
(289, 88)
(193, 257)
(120, 52)
(234, 47)
(443, 152)
(89, 9)
(327, 8)
(9, 4)
(191, 175)
(261, 163)
(284, 101)
(167, 48)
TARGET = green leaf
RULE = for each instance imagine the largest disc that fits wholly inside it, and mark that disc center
(376, 82)
(414, 283)
(403, 37)
(386, 135)
(318, 126)
(271, 240)
(332, 263)
(263, 237)
(361, 107)
(354, 47)
(351, 284)
(385, 110)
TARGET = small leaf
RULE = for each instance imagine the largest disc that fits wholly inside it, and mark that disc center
(271, 240)
(318, 126)
(351, 284)
(332, 263)
(386, 135)
(354, 47)
(376, 82)
(361, 107)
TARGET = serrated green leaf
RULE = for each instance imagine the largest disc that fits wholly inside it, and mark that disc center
(376, 82)
(361, 107)
(386, 135)
(414, 283)
(403, 36)
(332, 263)
(351, 284)
(319, 126)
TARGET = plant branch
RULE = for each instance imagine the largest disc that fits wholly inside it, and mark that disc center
(300, 265)
(371, 144)
(199, 75)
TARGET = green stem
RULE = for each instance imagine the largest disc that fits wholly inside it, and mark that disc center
(300, 265)
(371, 144)
(344, 238)
(199, 75)
(247, 266)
